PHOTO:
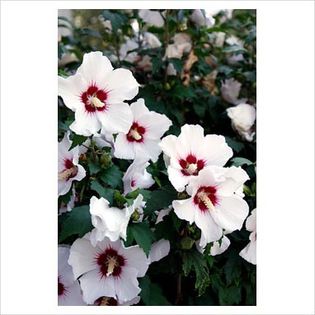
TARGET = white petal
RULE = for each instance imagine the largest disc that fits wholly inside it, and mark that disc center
(72, 297)
(117, 118)
(249, 252)
(70, 89)
(63, 187)
(210, 230)
(178, 180)
(230, 213)
(139, 109)
(95, 286)
(215, 150)
(216, 249)
(148, 149)
(159, 250)
(127, 285)
(134, 301)
(123, 149)
(82, 256)
(155, 124)
(95, 68)
(136, 259)
(85, 123)
(161, 214)
(251, 221)
(168, 145)
(121, 86)
(185, 209)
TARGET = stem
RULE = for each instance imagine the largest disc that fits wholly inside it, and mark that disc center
(179, 290)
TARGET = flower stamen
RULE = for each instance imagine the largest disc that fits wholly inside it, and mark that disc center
(112, 263)
(135, 134)
(68, 173)
(203, 197)
(97, 103)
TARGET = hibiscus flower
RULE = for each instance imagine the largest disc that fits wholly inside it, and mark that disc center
(141, 141)
(109, 269)
(96, 93)
(191, 152)
(69, 168)
(215, 204)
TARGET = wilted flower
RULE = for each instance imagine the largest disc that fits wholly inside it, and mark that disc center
(230, 90)
(249, 252)
(213, 205)
(141, 141)
(151, 17)
(137, 176)
(109, 269)
(69, 292)
(109, 221)
(69, 168)
(191, 152)
(96, 94)
(243, 117)
(150, 40)
(182, 44)
(202, 18)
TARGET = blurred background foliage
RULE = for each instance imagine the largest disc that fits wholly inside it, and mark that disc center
(190, 93)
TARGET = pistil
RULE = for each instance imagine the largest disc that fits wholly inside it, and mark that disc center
(203, 196)
(135, 134)
(96, 102)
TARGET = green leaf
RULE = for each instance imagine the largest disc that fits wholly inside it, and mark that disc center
(160, 199)
(117, 19)
(151, 293)
(234, 144)
(77, 140)
(78, 223)
(107, 193)
(194, 261)
(143, 235)
(239, 161)
(112, 176)
(177, 63)
(230, 295)
(93, 168)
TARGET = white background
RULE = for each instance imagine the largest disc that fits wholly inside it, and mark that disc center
(285, 157)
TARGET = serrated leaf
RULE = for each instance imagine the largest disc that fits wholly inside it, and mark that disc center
(112, 176)
(77, 140)
(151, 293)
(107, 193)
(194, 261)
(78, 223)
(143, 235)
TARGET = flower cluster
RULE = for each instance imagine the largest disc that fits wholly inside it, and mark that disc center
(150, 190)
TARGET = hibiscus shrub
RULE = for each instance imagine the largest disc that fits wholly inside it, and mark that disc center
(157, 151)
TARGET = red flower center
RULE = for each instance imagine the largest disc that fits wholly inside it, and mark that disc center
(62, 290)
(70, 170)
(136, 133)
(110, 263)
(106, 301)
(191, 165)
(94, 99)
(206, 198)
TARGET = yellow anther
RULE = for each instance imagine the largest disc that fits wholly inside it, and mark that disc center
(191, 169)
(205, 200)
(135, 134)
(67, 173)
(104, 301)
(111, 264)
(96, 102)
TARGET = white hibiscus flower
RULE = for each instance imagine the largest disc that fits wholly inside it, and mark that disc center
(69, 168)
(137, 176)
(191, 152)
(203, 18)
(109, 221)
(151, 17)
(96, 94)
(141, 141)
(159, 250)
(214, 204)
(109, 269)
(69, 292)
(249, 252)
(217, 248)
(243, 117)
